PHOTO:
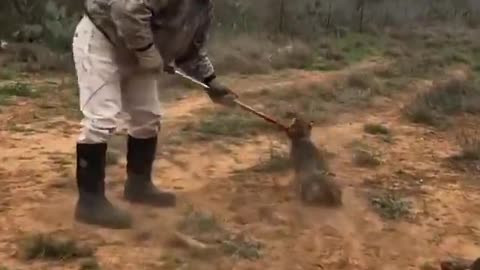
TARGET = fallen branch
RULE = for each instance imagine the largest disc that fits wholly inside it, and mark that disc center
(190, 242)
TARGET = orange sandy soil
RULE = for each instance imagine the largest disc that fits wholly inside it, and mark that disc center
(38, 192)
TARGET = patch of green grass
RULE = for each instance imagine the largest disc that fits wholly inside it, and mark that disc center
(386, 72)
(45, 246)
(18, 89)
(228, 124)
(397, 83)
(317, 101)
(421, 63)
(363, 80)
(172, 261)
(394, 51)
(420, 113)
(254, 54)
(376, 129)
(11, 90)
(476, 68)
(430, 53)
(314, 100)
(444, 99)
(476, 59)
(197, 222)
(14, 127)
(7, 74)
(329, 58)
(358, 46)
(390, 206)
(338, 52)
(277, 161)
(453, 55)
(354, 96)
(324, 64)
(206, 228)
(359, 89)
(242, 247)
(5, 100)
(364, 156)
(89, 264)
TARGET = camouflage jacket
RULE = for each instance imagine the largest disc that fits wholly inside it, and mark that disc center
(178, 28)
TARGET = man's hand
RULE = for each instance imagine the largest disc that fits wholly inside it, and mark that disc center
(169, 68)
(220, 94)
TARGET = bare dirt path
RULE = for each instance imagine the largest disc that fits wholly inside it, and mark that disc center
(37, 193)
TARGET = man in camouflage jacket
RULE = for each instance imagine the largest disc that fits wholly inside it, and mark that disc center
(120, 47)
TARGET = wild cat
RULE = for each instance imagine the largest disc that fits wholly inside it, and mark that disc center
(313, 183)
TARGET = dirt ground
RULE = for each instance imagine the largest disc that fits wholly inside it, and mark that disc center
(38, 192)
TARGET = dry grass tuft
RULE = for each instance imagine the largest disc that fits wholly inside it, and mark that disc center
(446, 97)
(249, 54)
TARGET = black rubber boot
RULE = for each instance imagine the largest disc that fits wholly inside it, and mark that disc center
(139, 187)
(92, 206)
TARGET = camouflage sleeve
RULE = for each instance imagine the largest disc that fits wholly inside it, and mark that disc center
(132, 20)
(197, 63)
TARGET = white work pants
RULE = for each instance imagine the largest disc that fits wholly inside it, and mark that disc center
(107, 89)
